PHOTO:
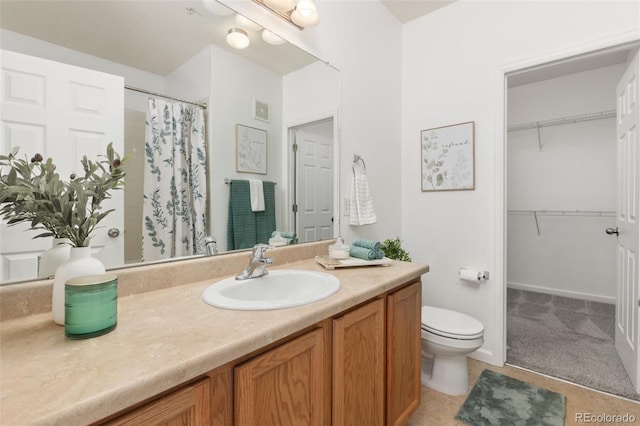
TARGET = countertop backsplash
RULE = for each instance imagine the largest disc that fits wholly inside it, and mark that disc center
(34, 297)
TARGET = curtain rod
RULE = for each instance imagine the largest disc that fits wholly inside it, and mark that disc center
(135, 89)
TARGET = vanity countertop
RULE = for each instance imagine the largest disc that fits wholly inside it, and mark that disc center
(163, 339)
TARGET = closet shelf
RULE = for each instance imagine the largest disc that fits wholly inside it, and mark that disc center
(582, 213)
(586, 213)
(564, 120)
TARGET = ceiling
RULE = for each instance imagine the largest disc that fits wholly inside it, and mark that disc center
(158, 36)
(408, 10)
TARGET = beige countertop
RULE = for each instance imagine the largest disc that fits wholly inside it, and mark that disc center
(163, 339)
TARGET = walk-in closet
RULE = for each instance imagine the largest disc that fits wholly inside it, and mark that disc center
(561, 198)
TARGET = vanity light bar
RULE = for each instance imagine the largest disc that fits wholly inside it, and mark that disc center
(284, 15)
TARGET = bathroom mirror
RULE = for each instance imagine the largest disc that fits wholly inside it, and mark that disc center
(178, 49)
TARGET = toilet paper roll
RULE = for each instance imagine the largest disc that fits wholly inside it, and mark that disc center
(470, 275)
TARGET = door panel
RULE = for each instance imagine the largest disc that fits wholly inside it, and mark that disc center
(64, 112)
(315, 182)
(628, 118)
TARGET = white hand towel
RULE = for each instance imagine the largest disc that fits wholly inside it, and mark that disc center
(256, 194)
(360, 203)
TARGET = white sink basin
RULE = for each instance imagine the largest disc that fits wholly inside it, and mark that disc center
(279, 289)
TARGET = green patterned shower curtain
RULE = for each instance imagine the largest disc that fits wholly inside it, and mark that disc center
(175, 195)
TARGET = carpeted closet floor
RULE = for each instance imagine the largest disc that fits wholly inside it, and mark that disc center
(567, 338)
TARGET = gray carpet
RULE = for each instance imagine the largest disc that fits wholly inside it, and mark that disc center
(498, 400)
(566, 338)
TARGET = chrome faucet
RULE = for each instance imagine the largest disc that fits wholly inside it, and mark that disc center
(257, 263)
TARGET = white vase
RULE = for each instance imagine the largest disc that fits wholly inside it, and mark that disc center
(54, 257)
(80, 263)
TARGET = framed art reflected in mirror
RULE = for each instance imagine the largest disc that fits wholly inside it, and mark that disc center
(251, 150)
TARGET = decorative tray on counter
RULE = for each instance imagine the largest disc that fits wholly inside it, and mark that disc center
(350, 262)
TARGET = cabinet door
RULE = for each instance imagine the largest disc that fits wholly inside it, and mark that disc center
(189, 406)
(403, 353)
(283, 386)
(358, 366)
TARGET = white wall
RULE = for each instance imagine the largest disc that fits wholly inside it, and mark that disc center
(233, 77)
(574, 170)
(367, 53)
(451, 59)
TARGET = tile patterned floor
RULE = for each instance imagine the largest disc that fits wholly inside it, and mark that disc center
(438, 409)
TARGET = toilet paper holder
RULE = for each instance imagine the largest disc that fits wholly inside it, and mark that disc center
(473, 275)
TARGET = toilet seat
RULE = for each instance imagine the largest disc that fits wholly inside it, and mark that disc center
(450, 324)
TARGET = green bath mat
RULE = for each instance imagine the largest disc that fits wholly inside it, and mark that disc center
(500, 400)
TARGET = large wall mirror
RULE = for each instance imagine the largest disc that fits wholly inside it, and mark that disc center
(126, 64)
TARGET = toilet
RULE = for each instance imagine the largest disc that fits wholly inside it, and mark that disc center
(447, 338)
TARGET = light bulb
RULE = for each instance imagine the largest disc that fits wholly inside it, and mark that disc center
(237, 38)
(305, 13)
(247, 24)
(271, 38)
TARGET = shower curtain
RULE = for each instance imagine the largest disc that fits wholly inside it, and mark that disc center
(175, 196)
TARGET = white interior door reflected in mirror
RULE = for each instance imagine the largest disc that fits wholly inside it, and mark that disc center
(314, 196)
(62, 112)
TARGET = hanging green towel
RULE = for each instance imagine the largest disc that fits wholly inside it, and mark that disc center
(266, 220)
(241, 224)
(370, 244)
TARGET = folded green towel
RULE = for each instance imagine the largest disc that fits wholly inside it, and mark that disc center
(362, 253)
(379, 254)
(370, 244)
(285, 234)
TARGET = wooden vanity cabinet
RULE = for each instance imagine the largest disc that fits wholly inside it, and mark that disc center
(284, 386)
(358, 366)
(404, 311)
(361, 367)
(188, 406)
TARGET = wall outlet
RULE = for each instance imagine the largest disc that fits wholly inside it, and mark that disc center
(345, 206)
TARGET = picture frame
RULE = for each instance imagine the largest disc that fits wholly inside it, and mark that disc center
(251, 150)
(448, 158)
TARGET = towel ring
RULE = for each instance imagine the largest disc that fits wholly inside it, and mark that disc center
(356, 159)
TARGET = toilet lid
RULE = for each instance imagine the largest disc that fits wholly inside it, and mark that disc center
(450, 323)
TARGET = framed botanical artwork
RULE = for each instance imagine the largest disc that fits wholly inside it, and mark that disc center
(251, 150)
(448, 158)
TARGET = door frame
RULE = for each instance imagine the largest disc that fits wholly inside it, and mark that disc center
(499, 108)
(289, 175)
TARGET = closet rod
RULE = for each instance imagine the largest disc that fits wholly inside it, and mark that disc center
(564, 120)
(146, 92)
(586, 213)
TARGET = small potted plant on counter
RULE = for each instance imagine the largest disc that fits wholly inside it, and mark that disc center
(33, 192)
(393, 250)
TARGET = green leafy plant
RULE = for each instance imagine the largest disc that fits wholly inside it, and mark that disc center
(393, 250)
(32, 191)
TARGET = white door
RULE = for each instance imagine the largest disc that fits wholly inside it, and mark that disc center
(63, 112)
(628, 118)
(315, 182)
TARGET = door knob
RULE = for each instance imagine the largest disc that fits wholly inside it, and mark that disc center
(611, 231)
(113, 232)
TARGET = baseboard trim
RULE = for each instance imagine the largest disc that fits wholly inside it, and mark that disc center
(485, 355)
(565, 293)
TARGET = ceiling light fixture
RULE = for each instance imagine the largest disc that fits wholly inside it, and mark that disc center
(281, 5)
(237, 38)
(303, 14)
(271, 38)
